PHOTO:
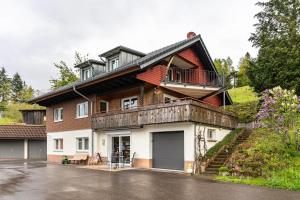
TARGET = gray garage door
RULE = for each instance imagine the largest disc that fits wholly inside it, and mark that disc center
(37, 149)
(11, 149)
(168, 150)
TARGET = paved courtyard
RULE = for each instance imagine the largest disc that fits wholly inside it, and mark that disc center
(38, 180)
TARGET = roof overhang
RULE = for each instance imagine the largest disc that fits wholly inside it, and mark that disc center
(195, 91)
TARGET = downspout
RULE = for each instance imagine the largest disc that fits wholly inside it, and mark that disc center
(195, 150)
(91, 112)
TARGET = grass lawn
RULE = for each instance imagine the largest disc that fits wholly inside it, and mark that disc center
(243, 94)
(285, 179)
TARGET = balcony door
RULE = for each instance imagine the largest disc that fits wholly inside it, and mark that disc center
(121, 148)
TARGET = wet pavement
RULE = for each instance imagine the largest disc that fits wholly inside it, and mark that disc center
(38, 180)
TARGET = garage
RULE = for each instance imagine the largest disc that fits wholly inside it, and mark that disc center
(11, 149)
(168, 150)
(37, 149)
(23, 142)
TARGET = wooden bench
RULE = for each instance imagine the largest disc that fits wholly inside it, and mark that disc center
(76, 159)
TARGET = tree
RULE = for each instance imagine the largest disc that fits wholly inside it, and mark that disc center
(17, 87)
(244, 65)
(224, 68)
(278, 39)
(5, 88)
(66, 75)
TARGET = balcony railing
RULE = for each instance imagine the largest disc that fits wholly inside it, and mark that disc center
(194, 76)
(182, 110)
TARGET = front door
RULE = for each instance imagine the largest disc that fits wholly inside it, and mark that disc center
(121, 148)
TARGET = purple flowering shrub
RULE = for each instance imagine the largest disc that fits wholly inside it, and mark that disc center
(279, 111)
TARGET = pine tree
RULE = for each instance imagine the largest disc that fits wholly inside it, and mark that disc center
(277, 36)
(17, 87)
(5, 88)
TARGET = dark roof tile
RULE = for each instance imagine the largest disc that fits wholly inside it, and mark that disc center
(23, 132)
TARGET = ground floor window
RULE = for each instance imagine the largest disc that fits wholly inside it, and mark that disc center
(58, 144)
(211, 134)
(82, 144)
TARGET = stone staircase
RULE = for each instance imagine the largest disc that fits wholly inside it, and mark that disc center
(221, 157)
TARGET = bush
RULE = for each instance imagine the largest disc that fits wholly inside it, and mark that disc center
(246, 112)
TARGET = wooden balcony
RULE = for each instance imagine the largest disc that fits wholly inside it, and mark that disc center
(192, 82)
(186, 110)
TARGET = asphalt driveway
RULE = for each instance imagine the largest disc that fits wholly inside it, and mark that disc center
(38, 180)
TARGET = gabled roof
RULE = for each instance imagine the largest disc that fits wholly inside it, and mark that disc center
(145, 61)
(22, 132)
(121, 48)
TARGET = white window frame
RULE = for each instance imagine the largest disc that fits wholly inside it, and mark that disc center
(85, 112)
(213, 131)
(129, 98)
(172, 98)
(107, 105)
(60, 144)
(83, 140)
(116, 60)
(59, 117)
(87, 73)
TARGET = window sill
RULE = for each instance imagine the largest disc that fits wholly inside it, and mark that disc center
(58, 150)
(82, 117)
(58, 121)
(82, 151)
(211, 140)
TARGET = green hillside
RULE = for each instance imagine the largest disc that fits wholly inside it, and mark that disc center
(243, 94)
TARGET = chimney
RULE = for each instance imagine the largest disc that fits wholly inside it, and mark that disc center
(190, 35)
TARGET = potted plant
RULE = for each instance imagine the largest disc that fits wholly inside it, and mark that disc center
(65, 160)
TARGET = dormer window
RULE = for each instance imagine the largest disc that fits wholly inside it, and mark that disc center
(114, 63)
(86, 73)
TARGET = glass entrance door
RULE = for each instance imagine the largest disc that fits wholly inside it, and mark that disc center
(121, 148)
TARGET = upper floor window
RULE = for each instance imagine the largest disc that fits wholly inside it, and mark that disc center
(82, 110)
(82, 144)
(58, 144)
(114, 63)
(103, 106)
(58, 114)
(211, 134)
(87, 73)
(129, 103)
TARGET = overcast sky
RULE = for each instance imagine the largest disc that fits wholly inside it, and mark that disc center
(35, 34)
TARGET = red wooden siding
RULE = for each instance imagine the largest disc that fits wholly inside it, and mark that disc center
(214, 100)
(153, 75)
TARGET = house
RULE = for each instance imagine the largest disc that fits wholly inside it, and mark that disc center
(25, 141)
(148, 105)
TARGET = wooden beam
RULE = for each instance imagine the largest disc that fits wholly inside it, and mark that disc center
(168, 67)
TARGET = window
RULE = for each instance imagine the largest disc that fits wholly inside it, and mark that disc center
(86, 73)
(129, 103)
(82, 144)
(114, 63)
(103, 106)
(169, 98)
(211, 134)
(82, 110)
(58, 144)
(58, 114)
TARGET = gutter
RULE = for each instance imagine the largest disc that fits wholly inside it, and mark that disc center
(91, 112)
